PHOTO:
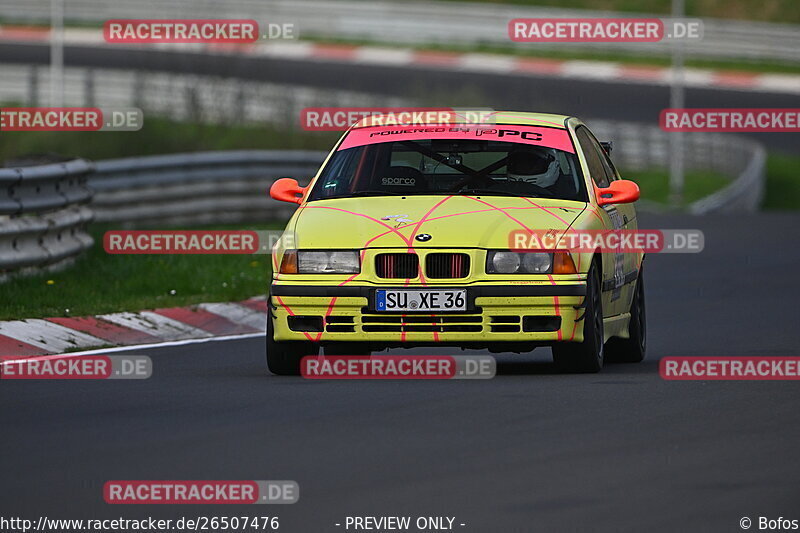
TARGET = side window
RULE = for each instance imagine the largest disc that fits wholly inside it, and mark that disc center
(611, 170)
(337, 178)
(594, 157)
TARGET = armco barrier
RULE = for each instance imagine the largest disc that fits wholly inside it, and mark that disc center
(740, 159)
(45, 209)
(638, 146)
(197, 188)
(43, 215)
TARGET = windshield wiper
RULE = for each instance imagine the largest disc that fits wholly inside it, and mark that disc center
(494, 192)
(358, 194)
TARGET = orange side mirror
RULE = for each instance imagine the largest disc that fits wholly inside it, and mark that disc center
(287, 190)
(619, 192)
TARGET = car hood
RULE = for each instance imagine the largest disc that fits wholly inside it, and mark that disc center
(443, 221)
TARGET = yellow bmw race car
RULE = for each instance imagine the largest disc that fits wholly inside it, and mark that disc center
(415, 236)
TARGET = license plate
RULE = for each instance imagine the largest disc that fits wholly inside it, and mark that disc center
(423, 300)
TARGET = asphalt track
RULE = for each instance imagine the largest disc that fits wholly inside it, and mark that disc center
(429, 86)
(530, 450)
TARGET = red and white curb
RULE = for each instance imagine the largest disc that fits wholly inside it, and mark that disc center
(465, 62)
(65, 334)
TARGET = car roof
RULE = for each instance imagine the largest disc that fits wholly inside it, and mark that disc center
(490, 117)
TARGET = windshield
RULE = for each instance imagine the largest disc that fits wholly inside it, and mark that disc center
(450, 166)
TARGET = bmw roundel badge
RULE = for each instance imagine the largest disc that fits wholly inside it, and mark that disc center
(424, 237)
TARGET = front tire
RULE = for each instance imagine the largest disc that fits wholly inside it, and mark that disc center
(632, 349)
(283, 358)
(586, 356)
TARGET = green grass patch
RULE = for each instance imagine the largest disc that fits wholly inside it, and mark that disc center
(787, 11)
(782, 11)
(783, 182)
(531, 50)
(104, 283)
(654, 184)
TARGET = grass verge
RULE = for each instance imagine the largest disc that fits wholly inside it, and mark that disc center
(654, 184)
(163, 136)
(531, 50)
(103, 283)
(786, 11)
(783, 182)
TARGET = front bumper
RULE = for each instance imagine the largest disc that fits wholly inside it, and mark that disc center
(532, 313)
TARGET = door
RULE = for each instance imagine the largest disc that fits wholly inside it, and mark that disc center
(602, 172)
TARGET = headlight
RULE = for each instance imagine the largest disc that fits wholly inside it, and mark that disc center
(504, 262)
(540, 262)
(325, 262)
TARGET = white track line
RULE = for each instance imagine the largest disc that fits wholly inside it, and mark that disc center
(134, 347)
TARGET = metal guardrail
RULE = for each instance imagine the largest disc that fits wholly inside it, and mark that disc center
(45, 209)
(214, 99)
(46, 213)
(230, 187)
(38, 189)
(744, 194)
(43, 215)
(467, 24)
(197, 188)
(740, 159)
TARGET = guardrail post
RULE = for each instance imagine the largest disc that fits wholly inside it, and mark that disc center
(33, 86)
(193, 107)
(240, 104)
(88, 87)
